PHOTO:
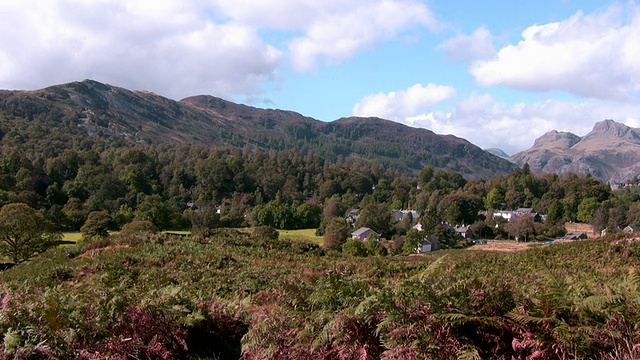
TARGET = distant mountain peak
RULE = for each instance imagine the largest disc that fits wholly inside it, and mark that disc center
(557, 139)
(610, 152)
(497, 152)
(610, 127)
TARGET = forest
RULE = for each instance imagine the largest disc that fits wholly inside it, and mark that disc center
(67, 176)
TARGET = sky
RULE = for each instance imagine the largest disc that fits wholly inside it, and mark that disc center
(499, 73)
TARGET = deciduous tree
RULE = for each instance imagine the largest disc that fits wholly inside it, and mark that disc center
(97, 224)
(24, 232)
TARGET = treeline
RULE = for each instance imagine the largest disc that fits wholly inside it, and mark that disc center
(68, 175)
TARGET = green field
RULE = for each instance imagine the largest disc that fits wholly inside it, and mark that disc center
(71, 236)
(303, 234)
(178, 232)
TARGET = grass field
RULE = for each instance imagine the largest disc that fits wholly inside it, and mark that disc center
(71, 236)
(178, 232)
(303, 234)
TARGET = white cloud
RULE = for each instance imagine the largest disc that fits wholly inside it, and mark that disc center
(466, 48)
(280, 14)
(398, 105)
(487, 122)
(338, 36)
(166, 46)
(595, 55)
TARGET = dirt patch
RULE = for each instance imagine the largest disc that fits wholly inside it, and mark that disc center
(506, 246)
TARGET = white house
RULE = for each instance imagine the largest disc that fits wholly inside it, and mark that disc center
(363, 234)
(428, 244)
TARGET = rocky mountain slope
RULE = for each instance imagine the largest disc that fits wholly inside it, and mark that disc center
(610, 152)
(138, 116)
(497, 152)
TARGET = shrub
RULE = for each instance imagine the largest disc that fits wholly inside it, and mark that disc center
(354, 247)
(97, 224)
(139, 226)
(265, 232)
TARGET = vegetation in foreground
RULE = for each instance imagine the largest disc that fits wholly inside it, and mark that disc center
(254, 296)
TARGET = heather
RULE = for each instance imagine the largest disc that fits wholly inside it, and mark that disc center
(235, 295)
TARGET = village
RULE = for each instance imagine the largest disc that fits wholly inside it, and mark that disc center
(464, 233)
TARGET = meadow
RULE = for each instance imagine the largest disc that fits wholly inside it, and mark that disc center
(233, 295)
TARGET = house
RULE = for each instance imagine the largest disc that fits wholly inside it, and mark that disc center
(522, 211)
(417, 226)
(463, 231)
(363, 234)
(604, 232)
(503, 214)
(630, 229)
(400, 215)
(575, 236)
(352, 216)
(508, 215)
(192, 205)
(428, 244)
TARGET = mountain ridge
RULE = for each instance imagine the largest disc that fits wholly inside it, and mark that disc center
(609, 152)
(144, 117)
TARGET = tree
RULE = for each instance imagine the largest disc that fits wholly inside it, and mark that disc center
(276, 213)
(376, 217)
(412, 241)
(374, 247)
(97, 224)
(554, 213)
(308, 216)
(521, 227)
(139, 226)
(206, 217)
(354, 247)
(156, 210)
(24, 232)
(493, 200)
(586, 209)
(336, 233)
(429, 221)
(460, 208)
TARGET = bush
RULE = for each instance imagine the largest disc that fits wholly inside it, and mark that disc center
(354, 247)
(139, 226)
(265, 232)
(97, 224)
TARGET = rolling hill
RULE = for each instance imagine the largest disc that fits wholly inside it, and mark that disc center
(97, 109)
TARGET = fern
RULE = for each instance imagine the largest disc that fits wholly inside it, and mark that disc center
(598, 303)
(632, 281)
(469, 354)
(524, 319)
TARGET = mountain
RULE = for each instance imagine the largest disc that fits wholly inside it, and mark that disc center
(98, 109)
(610, 152)
(497, 152)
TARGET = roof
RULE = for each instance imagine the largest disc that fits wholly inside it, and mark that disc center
(575, 235)
(362, 231)
(429, 240)
(525, 210)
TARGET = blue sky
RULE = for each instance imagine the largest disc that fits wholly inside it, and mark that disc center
(497, 73)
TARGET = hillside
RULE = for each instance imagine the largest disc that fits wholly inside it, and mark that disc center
(233, 295)
(97, 109)
(610, 152)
